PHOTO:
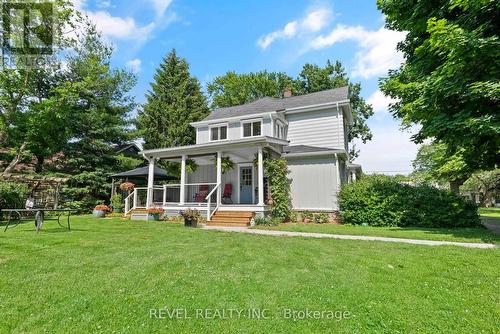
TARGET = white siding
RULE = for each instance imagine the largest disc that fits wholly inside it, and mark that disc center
(323, 128)
(202, 135)
(313, 183)
(234, 131)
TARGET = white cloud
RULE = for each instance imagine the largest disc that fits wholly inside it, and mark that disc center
(380, 102)
(377, 52)
(134, 65)
(160, 6)
(123, 28)
(312, 22)
(103, 3)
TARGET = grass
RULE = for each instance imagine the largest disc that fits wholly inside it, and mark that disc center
(106, 275)
(490, 212)
(479, 234)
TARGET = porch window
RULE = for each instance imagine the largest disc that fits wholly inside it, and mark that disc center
(251, 129)
(218, 132)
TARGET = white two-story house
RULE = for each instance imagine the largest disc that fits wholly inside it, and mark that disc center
(309, 131)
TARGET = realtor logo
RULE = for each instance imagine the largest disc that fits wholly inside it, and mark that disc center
(27, 30)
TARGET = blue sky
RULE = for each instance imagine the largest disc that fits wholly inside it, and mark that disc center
(218, 36)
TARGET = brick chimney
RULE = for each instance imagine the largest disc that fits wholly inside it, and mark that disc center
(287, 92)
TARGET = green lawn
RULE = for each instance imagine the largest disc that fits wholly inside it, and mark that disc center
(490, 212)
(105, 276)
(479, 234)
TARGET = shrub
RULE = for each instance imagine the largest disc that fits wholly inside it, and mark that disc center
(13, 195)
(322, 218)
(379, 200)
(279, 187)
(116, 201)
(267, 221)
(307, 216)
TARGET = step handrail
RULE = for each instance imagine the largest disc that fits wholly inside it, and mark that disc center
(208, 198)
(128, 208)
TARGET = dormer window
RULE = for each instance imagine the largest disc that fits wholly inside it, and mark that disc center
(279, 130)
(218, 132)
(252, 128)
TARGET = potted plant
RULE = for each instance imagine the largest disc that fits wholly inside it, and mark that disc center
(100, 210)
(127, 186)
(116, 203)
(154, 213)
(191, 217)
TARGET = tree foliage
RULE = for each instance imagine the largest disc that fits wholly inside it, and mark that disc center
(234, 89)
(434, 163)
(449, 83)
(174, 101)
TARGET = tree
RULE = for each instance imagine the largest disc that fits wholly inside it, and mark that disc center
(100, 104)
(487, 183)
(174, 101)
(234, 89)
(434, 163)
(29, 114)
(449, 83)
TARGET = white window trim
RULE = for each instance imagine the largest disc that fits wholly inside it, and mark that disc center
(210, 127)
(279, 124)
(251, 128)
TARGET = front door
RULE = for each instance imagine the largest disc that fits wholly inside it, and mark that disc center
(246, 177)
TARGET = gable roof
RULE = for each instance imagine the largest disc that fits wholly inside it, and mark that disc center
(270, 104)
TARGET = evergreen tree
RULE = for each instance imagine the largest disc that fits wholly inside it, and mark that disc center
(100, 107)
(174, 101)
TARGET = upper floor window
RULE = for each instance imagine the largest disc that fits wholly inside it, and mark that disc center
(279, 130)
(252, 128)
(218, 132)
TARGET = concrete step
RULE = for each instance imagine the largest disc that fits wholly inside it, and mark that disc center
(139, 216)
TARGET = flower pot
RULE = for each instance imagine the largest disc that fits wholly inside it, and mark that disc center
(190, 222)
(154, 216)
(98, 213)
(117, 209)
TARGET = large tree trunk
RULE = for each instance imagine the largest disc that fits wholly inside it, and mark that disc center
(16, 159)
(455, 185)
(39, 163)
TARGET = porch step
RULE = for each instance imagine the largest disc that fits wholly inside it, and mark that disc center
(231, 218)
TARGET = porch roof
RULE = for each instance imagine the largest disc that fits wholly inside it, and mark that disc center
(212, 147)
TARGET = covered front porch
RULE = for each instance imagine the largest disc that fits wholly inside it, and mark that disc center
(212, 185)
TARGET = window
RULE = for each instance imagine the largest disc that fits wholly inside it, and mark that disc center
(279, 130)
(251, 129)
(218, 132)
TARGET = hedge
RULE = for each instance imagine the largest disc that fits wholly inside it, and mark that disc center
(12, 195)
(380, 200)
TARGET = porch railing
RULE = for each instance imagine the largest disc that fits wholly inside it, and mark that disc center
(195, 194)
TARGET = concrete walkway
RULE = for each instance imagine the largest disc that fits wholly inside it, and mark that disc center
(350, 237)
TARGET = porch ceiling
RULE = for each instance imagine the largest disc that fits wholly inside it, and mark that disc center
(242, 148)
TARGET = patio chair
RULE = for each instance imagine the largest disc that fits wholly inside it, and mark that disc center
(203, 192)
(228, 192)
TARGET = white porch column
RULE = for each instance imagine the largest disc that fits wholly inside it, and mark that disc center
(261, 176)
(151, 181)
(183, 180)
(219, 177)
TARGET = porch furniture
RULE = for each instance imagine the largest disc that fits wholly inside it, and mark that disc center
(200, 197)
(228, 192)
(15, 217)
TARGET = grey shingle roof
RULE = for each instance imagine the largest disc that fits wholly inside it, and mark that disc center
(268, 104)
